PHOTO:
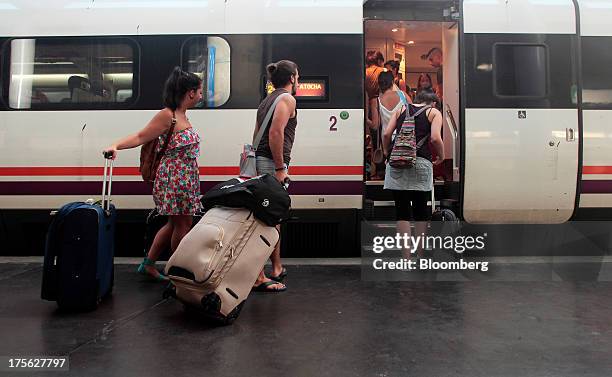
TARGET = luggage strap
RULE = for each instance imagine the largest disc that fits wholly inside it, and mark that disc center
(264, 125)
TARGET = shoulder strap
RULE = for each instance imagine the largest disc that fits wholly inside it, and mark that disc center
(168, 134)
(264, 125)
(402, 97)
(421, 110)
(424, 139)
(421, 142)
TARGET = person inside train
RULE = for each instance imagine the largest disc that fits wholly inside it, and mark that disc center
(434, 57)
(423, 81)
(398, 82)
(274, 151)
(411, 187)
(176, 189)
(389, 101)
(374, 66)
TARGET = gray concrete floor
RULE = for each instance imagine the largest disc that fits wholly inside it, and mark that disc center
(329, 323)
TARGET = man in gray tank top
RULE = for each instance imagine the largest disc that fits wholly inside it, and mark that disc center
(274, 150)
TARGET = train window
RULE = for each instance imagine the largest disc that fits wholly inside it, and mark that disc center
(596, 72)
(209, 58)
(65, 73)
(520, 70)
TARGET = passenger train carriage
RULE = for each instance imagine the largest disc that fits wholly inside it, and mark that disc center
(527, 104)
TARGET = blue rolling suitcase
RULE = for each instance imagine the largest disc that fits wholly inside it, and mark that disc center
(78, 265)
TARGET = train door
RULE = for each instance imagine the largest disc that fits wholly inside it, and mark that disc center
(521, 122)
(421, 38)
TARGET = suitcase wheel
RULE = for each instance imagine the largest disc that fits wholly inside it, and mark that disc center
(170, 291)
(231, 317)
(211, 305)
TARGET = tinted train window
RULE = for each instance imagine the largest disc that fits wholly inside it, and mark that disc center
(597, 71)
(520, 70)
(209, 58)
(77, 73)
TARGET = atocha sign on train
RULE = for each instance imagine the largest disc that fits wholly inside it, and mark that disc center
(308, 89)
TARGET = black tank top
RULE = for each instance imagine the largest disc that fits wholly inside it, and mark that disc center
(422, 129)
(264, 145)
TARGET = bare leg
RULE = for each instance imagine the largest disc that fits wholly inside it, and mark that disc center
(277, 266)
(181, 226)
(160, 243)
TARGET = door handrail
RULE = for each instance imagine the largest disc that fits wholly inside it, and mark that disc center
(450, 119)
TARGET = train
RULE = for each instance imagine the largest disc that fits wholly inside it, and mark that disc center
(527, 105)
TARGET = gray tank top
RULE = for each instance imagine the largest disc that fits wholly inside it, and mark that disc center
(264, 145)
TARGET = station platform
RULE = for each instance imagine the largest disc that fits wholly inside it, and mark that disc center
(328, 323)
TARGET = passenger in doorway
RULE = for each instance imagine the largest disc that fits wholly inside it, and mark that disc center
(176, 191)
(389, 101)
(398, 82)
(374, 66)
(423, 82)
(274, 150)
(434, 56)
(411, 187)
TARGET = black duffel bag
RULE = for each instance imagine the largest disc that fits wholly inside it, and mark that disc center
(264, 195)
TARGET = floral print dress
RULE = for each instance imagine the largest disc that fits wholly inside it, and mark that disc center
(177, 183)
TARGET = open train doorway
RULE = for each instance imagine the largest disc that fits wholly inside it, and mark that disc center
(422, 51)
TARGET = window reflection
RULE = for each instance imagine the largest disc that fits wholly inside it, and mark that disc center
(71, 72)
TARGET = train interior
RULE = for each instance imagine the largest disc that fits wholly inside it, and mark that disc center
(427, 51)
(65, 73)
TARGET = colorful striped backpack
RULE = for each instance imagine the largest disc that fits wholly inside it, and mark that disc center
(404, 150)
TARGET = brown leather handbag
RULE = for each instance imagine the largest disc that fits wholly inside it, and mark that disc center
(150, 158)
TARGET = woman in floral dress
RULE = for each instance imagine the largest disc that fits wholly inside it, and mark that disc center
(176, 189)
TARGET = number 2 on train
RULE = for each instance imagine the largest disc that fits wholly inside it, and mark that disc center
(333, 121)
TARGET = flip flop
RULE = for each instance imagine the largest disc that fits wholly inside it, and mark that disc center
(264, 287)
(280, 277)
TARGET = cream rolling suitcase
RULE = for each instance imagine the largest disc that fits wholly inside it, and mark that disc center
(216, 264)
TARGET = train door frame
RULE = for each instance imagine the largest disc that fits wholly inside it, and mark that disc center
(594, 201)
(442, 11)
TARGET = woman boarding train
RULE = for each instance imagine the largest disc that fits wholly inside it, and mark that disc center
(411, 187)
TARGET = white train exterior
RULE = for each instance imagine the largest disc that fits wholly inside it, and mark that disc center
(531, 154)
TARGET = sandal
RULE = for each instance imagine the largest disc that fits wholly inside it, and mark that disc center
(265, 287)
(143, 271)
(280, 277)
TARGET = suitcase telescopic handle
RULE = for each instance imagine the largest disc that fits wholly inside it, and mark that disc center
(108, 177)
